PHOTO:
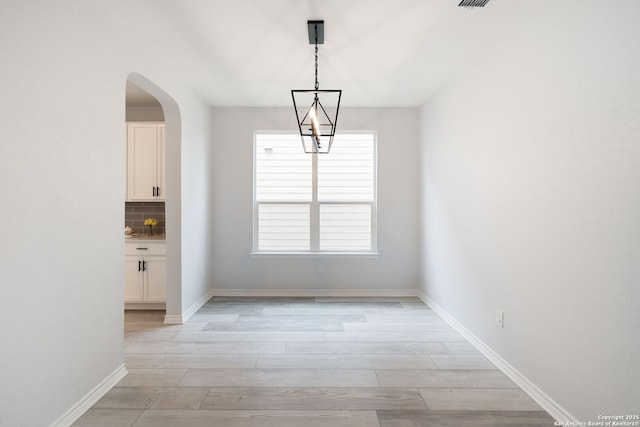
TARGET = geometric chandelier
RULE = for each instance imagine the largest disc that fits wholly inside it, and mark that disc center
(316, 109)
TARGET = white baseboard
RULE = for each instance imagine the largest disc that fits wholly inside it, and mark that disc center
(314, 293)
(176, 319)
(548, 404)
(83, 405)
(173, 319)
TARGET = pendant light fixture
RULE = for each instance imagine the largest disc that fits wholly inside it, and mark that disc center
(316, 109)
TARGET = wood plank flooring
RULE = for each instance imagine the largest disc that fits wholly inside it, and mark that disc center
(292, 362)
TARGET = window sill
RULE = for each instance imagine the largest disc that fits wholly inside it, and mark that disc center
(314, 254)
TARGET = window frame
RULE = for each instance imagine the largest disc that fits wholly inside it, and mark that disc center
(314, 205)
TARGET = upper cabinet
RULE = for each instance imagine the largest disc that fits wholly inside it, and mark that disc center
(145, 162)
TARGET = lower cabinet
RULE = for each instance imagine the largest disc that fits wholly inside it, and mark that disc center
(145, 272)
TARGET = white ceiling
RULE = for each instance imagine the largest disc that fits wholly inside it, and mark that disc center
(379, 52)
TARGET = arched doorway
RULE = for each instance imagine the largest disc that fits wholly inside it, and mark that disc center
(172, 120)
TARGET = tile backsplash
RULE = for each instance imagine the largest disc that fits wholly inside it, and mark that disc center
(136, 212)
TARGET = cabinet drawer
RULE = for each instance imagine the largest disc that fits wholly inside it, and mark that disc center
(145, 248)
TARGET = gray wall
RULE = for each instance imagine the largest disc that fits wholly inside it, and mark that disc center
(135, 113)
(136, 212)
(394, 271)
(529, 202)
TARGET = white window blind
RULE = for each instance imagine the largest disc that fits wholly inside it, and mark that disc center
(283, 170)
(346, 173)
(314, 203)
(283, 227)
(345, 227)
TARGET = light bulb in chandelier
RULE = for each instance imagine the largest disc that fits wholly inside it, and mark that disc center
(315, 126)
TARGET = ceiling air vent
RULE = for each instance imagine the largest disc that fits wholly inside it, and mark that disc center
(473, 3)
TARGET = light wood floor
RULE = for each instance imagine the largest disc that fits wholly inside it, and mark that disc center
(308, 362)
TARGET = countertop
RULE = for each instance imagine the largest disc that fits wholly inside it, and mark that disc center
(145, 238)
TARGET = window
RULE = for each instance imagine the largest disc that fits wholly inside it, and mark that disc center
(314, 203)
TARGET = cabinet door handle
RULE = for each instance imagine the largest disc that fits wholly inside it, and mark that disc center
(157, 191)
(139, 265)
(154, 191)
(144, 265)
(141, 249)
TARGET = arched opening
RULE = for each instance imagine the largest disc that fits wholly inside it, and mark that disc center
(137, 86)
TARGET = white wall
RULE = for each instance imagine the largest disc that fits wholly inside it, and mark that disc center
(530, 201)
(196, 213)
(394, 271)
(62, 172)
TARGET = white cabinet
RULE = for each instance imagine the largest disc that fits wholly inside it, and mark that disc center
(145, 161)
(145, 272)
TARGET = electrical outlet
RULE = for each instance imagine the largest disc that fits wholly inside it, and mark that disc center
(500, 318)
(320, 268)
